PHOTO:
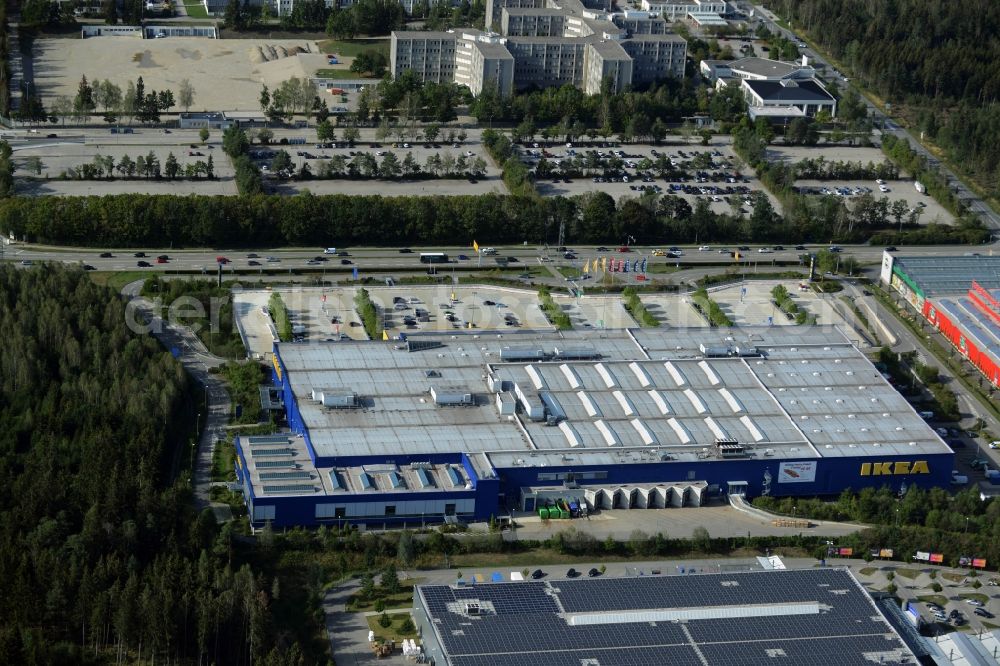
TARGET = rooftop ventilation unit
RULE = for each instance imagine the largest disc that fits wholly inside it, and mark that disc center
(575, 353)
(714, 352)
(521, 354)
(730, 448)
(747, 351)
(336, 398)
(452, 396)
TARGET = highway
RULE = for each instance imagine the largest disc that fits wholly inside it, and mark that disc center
(391, 259)
(989, 217)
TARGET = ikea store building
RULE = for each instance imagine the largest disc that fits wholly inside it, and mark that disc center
(471, 425)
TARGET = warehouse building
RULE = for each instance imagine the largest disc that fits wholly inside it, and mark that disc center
(809, 616)
(473, 425)
(959, 296)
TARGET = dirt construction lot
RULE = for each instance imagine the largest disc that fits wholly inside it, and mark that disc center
(226, 74)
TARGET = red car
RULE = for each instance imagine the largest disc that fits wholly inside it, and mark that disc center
(161, 260)
(624, 248)
(221, 260)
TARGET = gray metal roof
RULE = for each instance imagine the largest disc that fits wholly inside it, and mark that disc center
(762, 67)
(943, 276)
(810, 396)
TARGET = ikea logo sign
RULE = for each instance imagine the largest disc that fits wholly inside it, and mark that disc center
(895, 468)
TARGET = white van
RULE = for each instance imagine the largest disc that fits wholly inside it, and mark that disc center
(330, 250)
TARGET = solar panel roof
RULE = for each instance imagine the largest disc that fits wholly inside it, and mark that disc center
(749, 618)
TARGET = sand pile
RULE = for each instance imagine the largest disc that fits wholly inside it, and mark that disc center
(269, 53)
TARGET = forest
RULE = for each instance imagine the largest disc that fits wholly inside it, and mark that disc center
(257, 220)
(933, 60)
(102, 554)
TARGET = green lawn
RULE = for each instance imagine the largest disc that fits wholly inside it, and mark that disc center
(117, 279)
(402, 599)
(223, 460)
(662, 268)
(908, 573)
(196, 10)
(938, 599)
(569, 271)
(867, 571)
(953, 577)
(393, 632)
(330, 73)
(352, 47)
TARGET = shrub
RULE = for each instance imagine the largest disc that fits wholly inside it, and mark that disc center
(279, 314)
(368, 313)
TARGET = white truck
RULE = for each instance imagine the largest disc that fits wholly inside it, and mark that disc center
(920, 187)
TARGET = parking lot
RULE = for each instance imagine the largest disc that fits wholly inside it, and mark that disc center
(751, 303)
(595, 311)
(453, 307)
(928, 209)
(61, 157)
(688, 171)
(480, 176)
(322, 314)
(902, 189)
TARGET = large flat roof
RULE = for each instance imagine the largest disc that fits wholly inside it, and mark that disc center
(944, 276)
(810, 395)
(766, 617)
(762, 66)
(807, 90)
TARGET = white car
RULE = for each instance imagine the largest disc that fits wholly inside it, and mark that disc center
(879, 181)
(764, 250)
(883, 188)
(705, 248)
(995, 445)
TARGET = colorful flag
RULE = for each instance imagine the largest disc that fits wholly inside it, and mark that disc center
(475, 246)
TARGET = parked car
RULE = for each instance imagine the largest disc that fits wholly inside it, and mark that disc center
(982, 612)
(572, 573)
(593, 573)
(537, 573)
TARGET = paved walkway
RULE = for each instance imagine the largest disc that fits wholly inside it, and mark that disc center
(196, 358)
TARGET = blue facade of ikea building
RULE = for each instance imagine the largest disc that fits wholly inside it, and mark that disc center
(493, 480)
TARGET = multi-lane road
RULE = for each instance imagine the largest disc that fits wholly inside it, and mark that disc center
(391, 259)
